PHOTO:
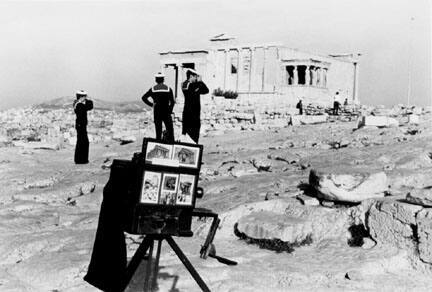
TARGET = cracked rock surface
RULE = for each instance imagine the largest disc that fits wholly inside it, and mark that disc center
(49, 211)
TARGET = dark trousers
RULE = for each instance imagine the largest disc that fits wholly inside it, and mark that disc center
(192, 128)
(336, 108)
(82, 145)
(167, 120)
(107, 266)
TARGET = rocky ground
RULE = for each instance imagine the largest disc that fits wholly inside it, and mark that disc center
(260, 184)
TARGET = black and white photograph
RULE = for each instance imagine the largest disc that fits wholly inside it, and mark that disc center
(186, 156)
(291, 145)
(170, 182)
(158, 153)
(186, 189)
(167, 198)
(151, 187)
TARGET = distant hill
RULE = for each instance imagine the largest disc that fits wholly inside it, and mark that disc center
(66, 102)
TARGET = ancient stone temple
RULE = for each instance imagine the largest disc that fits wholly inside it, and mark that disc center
(266, 71)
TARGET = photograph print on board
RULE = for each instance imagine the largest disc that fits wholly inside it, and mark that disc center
(158, 153)
(186, 189)
(186, 156)
(170, 182)
(150, 188)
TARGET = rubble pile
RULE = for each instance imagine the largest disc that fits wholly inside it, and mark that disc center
(57, 126)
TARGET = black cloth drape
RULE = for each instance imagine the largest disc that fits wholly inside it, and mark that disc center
(108, 262)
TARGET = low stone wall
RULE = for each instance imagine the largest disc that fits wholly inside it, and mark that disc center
(218, 113)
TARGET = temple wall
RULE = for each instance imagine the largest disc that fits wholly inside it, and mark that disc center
(260, 74)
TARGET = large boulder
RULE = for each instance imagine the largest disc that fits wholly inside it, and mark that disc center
(422, 197)
(348, 188)
(296, 224)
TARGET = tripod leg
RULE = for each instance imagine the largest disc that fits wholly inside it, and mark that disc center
(187, 264)
(205, 249)
(148, 274)
(136, 260)
(156, 266)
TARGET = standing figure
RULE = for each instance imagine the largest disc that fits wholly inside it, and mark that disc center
(300, 106)
(336, 104)
(81, 105)
(346, 102)
(163, 104)
(192, 89)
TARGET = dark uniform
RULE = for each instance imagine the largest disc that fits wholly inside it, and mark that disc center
(300, 107)
(192, 108)
(163, 104)
(336, 105)
(82, 144)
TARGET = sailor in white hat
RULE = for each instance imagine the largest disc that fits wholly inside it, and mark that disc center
(159, 75)
(163, 103)
(192, 89)
(81, 106)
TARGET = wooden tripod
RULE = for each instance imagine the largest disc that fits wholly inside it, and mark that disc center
(151, 274)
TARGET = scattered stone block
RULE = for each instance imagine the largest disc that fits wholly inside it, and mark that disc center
(87, 188)
(424, 231)
(328, 204)
(368, 243)
(262, 164)
(310, 120)
(308, 201)
(377, 121)
(348, 188)
(37, 145)
(44, 183)
(413, 119)
(393, 222)
(417, 110)
(127, 139)
(295, 120)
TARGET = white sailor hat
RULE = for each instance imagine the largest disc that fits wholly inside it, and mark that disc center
(159, 75)
(192, 71)
(81, 92)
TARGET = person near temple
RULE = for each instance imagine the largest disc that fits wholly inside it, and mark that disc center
(336, 104)
(82, 105)
(162, 103)
(300, 106)
(192, 89)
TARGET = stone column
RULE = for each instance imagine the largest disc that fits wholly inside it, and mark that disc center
(313, 76)
(227, 68)
(176, 82)
(251, 67)
(263, 71)
(307, 75)
(324, 77)
(322, 80)
(179, 78)
(295, 81)
(356, 78)
(238, 69)
(318, 77)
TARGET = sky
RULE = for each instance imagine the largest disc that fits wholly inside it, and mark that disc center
(51, 49)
